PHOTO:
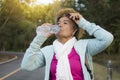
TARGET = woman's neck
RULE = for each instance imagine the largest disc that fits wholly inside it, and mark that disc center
(64, 40)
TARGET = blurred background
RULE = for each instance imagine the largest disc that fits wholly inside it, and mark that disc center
(19, 19)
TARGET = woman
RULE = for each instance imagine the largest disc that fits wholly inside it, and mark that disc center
(68, 58)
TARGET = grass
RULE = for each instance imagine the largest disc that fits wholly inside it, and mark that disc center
(103, 59)
(100, 73)
(100, 63)
(5, 57)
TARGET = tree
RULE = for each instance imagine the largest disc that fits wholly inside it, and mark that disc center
(15, 34)
(18, 24)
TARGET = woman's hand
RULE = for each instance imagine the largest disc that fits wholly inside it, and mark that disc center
(76, 17)
(47, 34)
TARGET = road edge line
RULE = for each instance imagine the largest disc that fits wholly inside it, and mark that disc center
(9, 60)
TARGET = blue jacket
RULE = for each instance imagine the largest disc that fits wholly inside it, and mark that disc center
(36, 57)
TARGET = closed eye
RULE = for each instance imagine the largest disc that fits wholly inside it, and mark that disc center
(65, 23)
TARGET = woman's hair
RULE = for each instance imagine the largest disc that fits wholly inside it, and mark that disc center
(66, 13)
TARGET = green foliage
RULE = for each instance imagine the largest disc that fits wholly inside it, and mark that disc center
(18, 21)
(16, 32)
(16, 36)
(68, 3)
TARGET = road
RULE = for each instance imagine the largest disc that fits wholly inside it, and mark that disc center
(12, 71)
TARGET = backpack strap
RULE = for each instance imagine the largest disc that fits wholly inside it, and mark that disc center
(88, 67)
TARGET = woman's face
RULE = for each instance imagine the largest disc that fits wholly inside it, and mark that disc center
(66, 28)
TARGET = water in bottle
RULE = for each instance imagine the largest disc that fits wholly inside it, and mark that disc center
(54, 28)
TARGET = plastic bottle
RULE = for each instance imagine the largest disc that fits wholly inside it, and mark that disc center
(55, 29)
(47, 29)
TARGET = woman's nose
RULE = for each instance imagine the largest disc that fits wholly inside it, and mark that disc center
(60, 25)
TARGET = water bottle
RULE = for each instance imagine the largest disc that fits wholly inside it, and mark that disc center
(43, 30)
(55, 29)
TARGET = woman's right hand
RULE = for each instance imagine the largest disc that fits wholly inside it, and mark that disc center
(44, 33)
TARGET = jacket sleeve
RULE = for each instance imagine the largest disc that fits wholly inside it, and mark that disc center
(102, 38)
(33, 57)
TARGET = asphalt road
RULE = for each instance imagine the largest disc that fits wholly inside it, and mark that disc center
(12, 71)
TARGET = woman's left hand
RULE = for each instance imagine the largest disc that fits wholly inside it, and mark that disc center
(76, 17)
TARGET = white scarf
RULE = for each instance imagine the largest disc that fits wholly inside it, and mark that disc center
(62, 51)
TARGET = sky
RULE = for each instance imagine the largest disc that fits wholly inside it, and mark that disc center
(43, 2)
(38, 2)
